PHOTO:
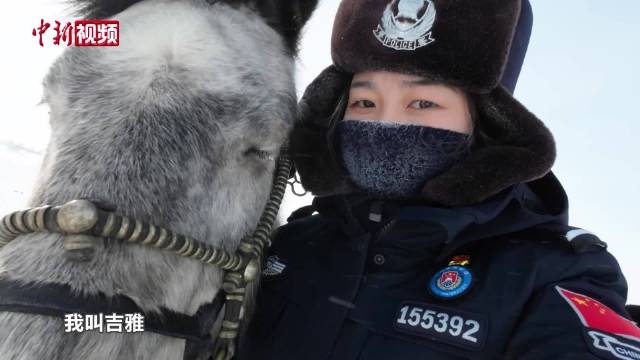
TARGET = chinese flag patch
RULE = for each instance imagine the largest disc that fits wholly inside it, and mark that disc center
(607, 332)
(598, 316)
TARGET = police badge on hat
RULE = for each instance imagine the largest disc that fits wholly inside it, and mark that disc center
(406, 24)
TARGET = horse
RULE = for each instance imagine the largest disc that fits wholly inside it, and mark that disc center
(178, 126)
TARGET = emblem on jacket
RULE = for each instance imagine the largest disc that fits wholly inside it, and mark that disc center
(274, 266)
(406, 24)
(608, 334)
(452, 281)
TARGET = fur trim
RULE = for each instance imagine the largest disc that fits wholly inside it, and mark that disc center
(521, 149)
(470, 47)
(311, 139)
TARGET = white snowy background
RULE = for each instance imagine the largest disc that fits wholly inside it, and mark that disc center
(580, 77)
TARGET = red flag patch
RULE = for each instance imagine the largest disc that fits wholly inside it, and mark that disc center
(596, 315)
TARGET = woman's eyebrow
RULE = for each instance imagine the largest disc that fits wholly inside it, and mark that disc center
(362, 84)
(419, 82)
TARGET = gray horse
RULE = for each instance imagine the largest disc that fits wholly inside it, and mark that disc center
(177, 126)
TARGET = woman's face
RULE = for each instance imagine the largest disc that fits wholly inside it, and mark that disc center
(407, 99)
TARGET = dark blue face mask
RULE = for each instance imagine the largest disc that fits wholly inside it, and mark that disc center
(394, 161)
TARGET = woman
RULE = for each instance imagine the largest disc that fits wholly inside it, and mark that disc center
(440, 232)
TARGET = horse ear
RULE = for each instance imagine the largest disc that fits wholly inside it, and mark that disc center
(287, 17)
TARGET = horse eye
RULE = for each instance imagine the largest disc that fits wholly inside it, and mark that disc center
(259, 154)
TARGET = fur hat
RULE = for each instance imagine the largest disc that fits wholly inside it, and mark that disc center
(462, 43)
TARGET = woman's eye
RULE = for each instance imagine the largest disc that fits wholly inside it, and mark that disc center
(422, 104)
(364, 104)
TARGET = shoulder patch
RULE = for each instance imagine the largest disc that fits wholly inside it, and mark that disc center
(274, 266)
(583, 241)
(612, 347)
(608, 334)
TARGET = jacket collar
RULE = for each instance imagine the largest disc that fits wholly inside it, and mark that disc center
(519, 207)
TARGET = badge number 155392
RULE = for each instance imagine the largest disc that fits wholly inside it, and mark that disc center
(445, 324)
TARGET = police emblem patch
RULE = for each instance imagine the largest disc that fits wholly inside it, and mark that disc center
(451, 282)
(274, 266)
(406, 24)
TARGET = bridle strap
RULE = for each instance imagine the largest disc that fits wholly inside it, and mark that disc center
(235, 282)
(58, 300)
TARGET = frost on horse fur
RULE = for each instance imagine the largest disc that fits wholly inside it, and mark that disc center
(171, 128)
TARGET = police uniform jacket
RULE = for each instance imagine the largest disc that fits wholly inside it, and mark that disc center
(355, 281)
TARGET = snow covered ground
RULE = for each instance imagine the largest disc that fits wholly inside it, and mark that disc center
(587, 96)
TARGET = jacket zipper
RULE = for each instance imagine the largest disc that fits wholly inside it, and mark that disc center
(384, 230)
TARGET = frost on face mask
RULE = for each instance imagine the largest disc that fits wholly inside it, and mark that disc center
(393, 160)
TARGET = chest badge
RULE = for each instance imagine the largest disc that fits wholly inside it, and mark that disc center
(452, 281)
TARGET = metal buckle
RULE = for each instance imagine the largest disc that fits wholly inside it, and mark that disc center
(292, 183)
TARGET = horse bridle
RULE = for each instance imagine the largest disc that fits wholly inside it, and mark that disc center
(81, 221)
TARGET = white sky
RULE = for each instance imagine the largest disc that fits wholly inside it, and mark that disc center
(580, 77)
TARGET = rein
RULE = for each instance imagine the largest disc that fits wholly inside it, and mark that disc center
(81, 221)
